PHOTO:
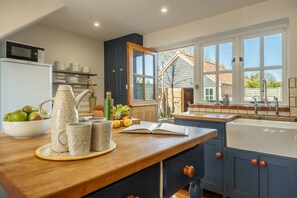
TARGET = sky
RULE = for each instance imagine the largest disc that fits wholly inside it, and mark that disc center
(251, 53)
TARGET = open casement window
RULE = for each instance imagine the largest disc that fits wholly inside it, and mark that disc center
(141, 75)
(142, 80)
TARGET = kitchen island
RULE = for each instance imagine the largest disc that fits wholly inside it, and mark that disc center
(22, 174)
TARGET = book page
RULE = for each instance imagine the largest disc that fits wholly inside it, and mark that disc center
(144, 127)
(167, 128)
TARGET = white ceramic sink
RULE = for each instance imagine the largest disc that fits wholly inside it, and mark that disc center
(272, 137)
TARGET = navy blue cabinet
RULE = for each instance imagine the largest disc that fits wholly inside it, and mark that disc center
(250, 174)
(241, 175)
(174, 177)
(213, 154)
(144, 184)
(115, 66)
(177, 172)
(213, 179)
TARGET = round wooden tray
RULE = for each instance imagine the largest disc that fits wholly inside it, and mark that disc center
(46, 152)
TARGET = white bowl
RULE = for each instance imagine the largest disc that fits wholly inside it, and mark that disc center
(26, 129)
(72, 79)
(85, 70)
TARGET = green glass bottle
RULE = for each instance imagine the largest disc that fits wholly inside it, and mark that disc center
(107, 106)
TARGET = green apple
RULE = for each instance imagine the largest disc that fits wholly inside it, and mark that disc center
(28, 109)
(7, 117)
(45, 111)
(35, 115)
(18, 116)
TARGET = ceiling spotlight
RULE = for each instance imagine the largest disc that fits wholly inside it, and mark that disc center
(96, 24)
(164, 10)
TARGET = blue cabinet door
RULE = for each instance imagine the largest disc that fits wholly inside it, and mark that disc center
(213, 160)
(241, 177)
(144, 184)
(115, 66)
(278, 177)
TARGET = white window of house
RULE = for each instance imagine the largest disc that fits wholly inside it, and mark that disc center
(239, 66)
(217, 69)
(263, 61)
(209, 93)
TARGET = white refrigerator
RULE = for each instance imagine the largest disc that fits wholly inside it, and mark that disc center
(23, 83)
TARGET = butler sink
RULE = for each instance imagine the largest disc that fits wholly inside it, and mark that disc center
(272, 137)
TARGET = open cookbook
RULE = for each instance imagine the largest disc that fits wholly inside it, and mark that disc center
(157, 128)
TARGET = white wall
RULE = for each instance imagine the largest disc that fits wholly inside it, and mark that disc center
(18, 14)
(69, 48)
(263, 12)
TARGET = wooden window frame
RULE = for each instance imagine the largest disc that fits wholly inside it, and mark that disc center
(130, 75)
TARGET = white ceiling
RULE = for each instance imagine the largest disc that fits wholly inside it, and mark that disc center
(122, 17)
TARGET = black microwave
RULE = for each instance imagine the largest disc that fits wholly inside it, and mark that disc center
(15, 50)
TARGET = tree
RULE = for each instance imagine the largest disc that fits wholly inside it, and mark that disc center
(172, 77)
(252, 81)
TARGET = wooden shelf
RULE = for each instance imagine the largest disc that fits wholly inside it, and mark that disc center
(74, 73)
(81, 84)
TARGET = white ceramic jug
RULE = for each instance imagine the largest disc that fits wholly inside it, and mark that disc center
(65, 111)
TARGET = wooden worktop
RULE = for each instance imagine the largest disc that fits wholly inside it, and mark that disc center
(206, 116)
(22, 174)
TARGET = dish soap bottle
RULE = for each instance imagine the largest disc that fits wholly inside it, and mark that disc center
(108, 106)
(92, 101)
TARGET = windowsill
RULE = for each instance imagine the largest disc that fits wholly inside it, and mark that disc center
(282, 108)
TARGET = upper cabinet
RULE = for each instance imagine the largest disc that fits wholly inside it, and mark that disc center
(115, 66)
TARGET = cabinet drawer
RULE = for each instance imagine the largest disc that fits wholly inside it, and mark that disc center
(220, 126)
(144, 184)
(173, 170)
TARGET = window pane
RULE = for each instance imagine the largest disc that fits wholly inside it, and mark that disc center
(251, 52)
(251, 85)
(273, 50)
(209, 58)
(149, 64)
(225, 81)
(149, 89)
(137, 62)
(138, 88)
(274, 83)
(225, 56)
(209, 82)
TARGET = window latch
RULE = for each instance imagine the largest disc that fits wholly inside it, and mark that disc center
(241, 60)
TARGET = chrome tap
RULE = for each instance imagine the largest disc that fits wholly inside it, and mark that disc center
(276, 105)
(264, 90)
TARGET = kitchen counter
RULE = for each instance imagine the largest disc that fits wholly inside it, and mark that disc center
(22, 174)
(206, 116)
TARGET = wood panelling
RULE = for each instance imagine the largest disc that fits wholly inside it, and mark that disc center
(145, 113)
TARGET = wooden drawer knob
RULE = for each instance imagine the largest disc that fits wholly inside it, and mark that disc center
(113, 71)
(219, 155)
(189, 171)
(132, 196)
(263, 163)
(254, 162)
